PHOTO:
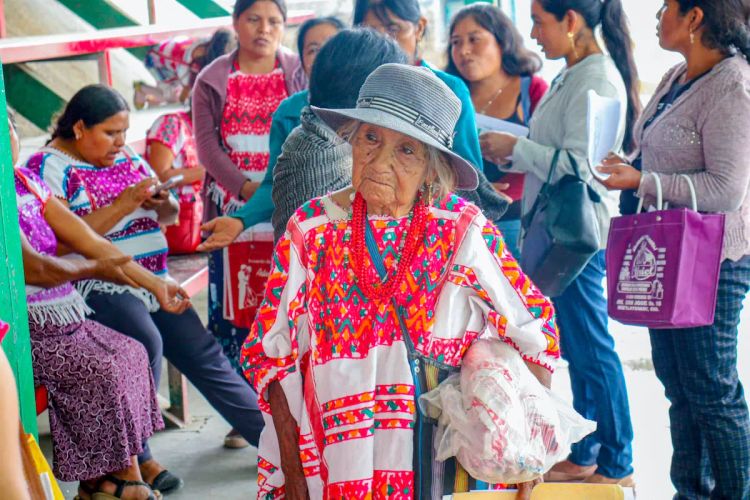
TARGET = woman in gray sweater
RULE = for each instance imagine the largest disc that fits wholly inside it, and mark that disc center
(565, 29)
(698, 124)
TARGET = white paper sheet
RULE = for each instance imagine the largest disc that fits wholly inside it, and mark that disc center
(603, 123)
(488, 124)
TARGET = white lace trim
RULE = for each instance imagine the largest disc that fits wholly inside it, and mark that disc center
(218, 196)
(88, 286)
(59, 312)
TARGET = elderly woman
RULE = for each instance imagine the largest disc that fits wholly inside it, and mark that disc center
(375, 295)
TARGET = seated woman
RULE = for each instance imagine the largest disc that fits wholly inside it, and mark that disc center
(376, 290)
(314, 159)
(87, 166)
(171, 151)
(103, 403)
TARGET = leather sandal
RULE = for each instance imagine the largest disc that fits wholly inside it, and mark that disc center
(121, 484)
(166, 482)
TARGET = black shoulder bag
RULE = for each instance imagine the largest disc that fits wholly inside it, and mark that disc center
(561, 231)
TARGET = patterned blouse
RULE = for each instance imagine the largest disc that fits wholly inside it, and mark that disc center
(175, 132)
(87, 188)
(246, 127)
(61, 305)
(343, 357)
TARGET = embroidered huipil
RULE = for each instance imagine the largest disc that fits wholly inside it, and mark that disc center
(341, 359)
(175, 132)
(87, 188)
(61, 305)
(246, 126)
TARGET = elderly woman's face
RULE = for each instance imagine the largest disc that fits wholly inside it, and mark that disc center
(100, 144)
(388, 168)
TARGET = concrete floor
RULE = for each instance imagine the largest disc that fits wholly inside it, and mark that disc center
(210, 471)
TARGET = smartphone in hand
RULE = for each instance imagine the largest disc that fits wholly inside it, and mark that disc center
(168, 184)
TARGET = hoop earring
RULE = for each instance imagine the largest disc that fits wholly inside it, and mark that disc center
(571, 37)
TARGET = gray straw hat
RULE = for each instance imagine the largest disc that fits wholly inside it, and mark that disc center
(413, 101)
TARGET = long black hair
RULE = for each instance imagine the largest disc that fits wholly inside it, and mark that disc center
(345, 62)
(611, 16)
(93, 104)
(242, 5)
(310, 24)
(408, 10)
(517, 60)
(726, 24)
(221, 42)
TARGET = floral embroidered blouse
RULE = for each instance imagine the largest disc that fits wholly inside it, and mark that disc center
(86, 188)
(341, 358)
(246, 127)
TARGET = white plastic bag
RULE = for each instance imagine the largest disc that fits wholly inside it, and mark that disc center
(495, 417)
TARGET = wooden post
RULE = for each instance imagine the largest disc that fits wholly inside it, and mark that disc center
(3, 32)
(17, 344)
(151, 11)
(105, 68)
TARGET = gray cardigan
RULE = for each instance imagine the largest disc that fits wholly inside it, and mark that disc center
(706, 135)
(559, 122)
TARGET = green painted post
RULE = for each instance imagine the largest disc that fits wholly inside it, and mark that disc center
(204, 8)
(12, 294)
(31, 97)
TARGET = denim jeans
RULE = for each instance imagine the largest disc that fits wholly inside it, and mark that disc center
(596, 376)
(709, 419)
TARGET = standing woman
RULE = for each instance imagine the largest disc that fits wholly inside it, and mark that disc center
(403, 21)
(698, 124)
(487, 52)
(234, 99)
(311, 37)
(565, 30)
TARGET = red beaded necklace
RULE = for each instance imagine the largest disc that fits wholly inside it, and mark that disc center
(385, 289)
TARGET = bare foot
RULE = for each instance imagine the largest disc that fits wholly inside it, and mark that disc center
(567, 471)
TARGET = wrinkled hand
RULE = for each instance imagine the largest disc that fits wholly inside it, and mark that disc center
(111, 269)
(156, 200)
(501, 187)
(134, 196)
(497, 147)
(524, 489)
(224, 230)
(621, 176)
(172, 298)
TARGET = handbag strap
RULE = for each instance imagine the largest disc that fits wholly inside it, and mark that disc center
(526, 219)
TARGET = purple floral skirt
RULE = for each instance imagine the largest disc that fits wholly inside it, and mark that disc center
(102, 399)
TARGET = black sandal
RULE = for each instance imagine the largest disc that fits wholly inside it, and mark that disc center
(166, 482)
(121, 484)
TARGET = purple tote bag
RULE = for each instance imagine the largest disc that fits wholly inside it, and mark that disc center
(663, 266)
